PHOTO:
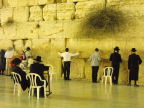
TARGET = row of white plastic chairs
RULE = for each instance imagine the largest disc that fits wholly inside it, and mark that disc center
(33, 84)
(108, 71)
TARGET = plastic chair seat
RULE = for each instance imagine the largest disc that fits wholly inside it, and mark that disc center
(17, 80)
(33, 84)
(108, 71)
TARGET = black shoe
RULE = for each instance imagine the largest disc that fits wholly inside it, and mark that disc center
(136, 85)
(129, 84)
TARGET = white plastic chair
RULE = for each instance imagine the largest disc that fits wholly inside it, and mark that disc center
(108, 71)
(33, 84)
(17, 80)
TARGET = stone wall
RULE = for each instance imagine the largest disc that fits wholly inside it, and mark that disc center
(49, 26)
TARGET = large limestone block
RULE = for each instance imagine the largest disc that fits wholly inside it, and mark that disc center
(84, 8)
(88, 70)
(17, 3)
(65, 11)
(32, 2)
(49, 12)
(2, 33)
(35, 13)
(27, 30)
(77, 68)
(27, 43)
(4, 44)
(72, 28)
(21, 14)
(42, 2)
(51, 1)
(58, 44)
(41, 47)
(57, 66)
(6, 14)
(10, 31)
(1, 4)
(51, 29)
(19, 46)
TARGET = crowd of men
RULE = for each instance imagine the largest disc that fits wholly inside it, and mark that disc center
(8, 64)
(134, 61)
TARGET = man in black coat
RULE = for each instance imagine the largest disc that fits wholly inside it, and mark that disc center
(115, 59)
(134, 61)
(17, 69)
(39, 68)
(2, 62)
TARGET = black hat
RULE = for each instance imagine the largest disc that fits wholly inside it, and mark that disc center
(133, 50)
(96, 49)
(16, 61)
(116, 48)
(38, 58)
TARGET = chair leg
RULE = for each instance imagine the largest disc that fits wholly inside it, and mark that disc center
(102, 79)
(110, 80)
(32, 90)
(37, 93)
(14, 89)
(105, 80)
(19, 90)
(45, 92)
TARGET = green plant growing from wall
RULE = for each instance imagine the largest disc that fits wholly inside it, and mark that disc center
(106, 20)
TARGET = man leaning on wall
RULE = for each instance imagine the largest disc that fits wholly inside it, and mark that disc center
(67, 61)
(95, 61)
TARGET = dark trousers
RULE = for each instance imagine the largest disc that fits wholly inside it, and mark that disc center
(115, 75)
(94, 73)
(66, 70)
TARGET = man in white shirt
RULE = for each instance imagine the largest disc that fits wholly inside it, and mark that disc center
(8, 55)
(95, 60)
(67, 59)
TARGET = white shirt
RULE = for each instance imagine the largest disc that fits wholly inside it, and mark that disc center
(67, 56)
(95, 59)
(9, 54)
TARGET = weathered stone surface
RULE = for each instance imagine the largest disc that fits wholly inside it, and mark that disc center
(35, 13)
(27, 30)
(51, 1)
(41, 47)
(77, 68)
(19, 46)
(27, 43)
(21, 14)
(72, 28)
(17, 3)
(2, 33)
(32, 2)
(42, 2)
(5, 44)
(10, 31)
(6, 14)
(65, 11)
(49, 12)
(1, 4)
(51, 29)
(84, 8)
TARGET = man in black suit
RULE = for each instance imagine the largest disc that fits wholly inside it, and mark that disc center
(134, 61)
(16, 68)
(115, 59)
(39, 68)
